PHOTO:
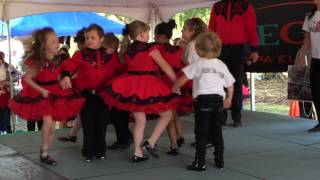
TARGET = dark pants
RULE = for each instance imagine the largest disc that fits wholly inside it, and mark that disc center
(31, 125)
(94, 116)
(315, 85)
(209, 118)
(233, 57)
(5, 119)
(120, 121)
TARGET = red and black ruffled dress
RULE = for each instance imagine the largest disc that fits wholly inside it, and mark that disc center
(141, 88)
(61, 104)
(173, 55)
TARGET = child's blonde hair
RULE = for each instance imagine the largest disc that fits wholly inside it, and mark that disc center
(131, 31)
(196, 25)
(208, 45)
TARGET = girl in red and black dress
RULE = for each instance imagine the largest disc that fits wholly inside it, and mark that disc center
(41, 96)
(141, 90)
(173, 55)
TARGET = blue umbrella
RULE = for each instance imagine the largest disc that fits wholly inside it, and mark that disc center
(64, 23)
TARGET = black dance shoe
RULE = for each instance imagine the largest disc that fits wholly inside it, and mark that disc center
(173, 151)
(180, 141)
(68, 139)
(195, 166)
(48, 160)
(88, 159)
(315, 129)
(146, 145)
(116, 145)
(135, 159)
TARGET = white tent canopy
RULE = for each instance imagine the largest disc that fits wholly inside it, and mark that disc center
(150, 11)
(145, 10)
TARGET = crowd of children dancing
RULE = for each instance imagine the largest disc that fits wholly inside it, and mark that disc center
(101, 85)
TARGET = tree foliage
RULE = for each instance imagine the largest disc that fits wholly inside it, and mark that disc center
(180, 18)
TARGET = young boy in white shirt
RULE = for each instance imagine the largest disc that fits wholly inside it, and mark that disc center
(210, 76)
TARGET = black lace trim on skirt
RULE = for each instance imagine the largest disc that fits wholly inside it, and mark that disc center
(37, 99)
(154, 73)
(136, 100)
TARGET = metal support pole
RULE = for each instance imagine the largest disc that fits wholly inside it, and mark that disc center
(12, 117)
(253, 92)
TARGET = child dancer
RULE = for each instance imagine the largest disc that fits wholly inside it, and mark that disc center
(173, 54)
(72, 134)
(94, 67)
(42, 96)
(210, 76)
(191, 29)
(120, 119)
(141, 90)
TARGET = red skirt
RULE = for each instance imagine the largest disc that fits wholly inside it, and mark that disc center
(140, 93)
(186, 100)
(60, 105)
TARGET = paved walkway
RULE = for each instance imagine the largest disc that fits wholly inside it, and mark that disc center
(268, 146)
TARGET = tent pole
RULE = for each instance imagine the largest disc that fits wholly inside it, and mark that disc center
(253, 92)
(154, 17)
(12, 117)
(151, 21)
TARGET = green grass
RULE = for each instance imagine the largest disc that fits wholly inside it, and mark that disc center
(282, 109)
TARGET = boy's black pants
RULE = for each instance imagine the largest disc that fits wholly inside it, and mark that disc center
(120, 120)
(209, 117)
(94, 116)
